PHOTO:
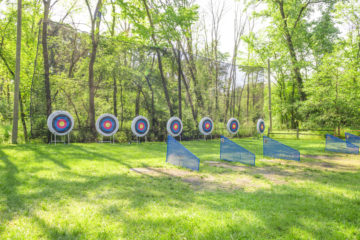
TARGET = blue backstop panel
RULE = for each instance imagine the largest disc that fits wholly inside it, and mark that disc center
(230, 151)
(275, 149)
(178, 155)
(335, 144)
(353, 139)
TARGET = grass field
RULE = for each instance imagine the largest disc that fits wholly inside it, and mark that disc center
(103, 191)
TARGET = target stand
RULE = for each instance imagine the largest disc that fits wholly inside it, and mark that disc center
(140, 127)
(60, 123)
(53, 139)
(206, 127)
(107, 125)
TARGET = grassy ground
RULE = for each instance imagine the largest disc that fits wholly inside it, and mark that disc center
(89, 191)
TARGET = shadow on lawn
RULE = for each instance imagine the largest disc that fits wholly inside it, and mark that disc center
(275, 211)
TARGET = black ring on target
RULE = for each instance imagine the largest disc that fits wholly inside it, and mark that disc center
(174, 126)
(141, 126)
(234, 126)
(61, 123)
(207, 126)
(261, 126)
(107, 125)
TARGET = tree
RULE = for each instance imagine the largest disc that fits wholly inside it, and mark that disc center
(46, 58)
(95, 37)
(17, 75)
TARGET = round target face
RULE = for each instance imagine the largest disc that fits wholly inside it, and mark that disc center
(260, 126)
(233, 126)
(60, 123)
(206, 126)
(140, 126)
(107, 125)
(174, 126)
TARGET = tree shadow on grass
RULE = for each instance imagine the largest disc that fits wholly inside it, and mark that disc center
(267, 214)
(8, 188)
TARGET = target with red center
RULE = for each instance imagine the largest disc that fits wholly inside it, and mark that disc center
(60, 123)
(206, 126)
(174, 126)
(107, 125)
(261, 126)
(233, 126)
(140, 126)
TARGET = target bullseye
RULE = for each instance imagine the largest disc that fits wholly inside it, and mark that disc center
(233, 126)
(206, 126)
(140, 126)
(174, 126)
(260, 126)
(107, 125)
(60, 123)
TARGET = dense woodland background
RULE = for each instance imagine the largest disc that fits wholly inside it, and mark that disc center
(161, 58)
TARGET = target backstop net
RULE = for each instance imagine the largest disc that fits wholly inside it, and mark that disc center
(178, 155)
(230, 151)
(353, 139)
(335, 144)
(275, 149)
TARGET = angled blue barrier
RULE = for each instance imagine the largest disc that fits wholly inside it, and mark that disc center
(230, 151)
(275, 149)
(335, 144)
(353, 139)
(178, 155)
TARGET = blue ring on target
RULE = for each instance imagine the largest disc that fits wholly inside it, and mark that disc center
(141, 126)
(234, 126)
(174, 126)
(107, 125)
(207, 126)
(261, 126)
(61, 123)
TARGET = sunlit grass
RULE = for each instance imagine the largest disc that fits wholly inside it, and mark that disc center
(88, 191)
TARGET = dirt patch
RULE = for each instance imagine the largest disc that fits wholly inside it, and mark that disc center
(227, 165)
(206, 182)
(321, 157)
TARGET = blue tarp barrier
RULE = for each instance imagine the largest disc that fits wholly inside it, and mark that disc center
(230, 151)
(335, 144)
(275, 149)
(178, 155)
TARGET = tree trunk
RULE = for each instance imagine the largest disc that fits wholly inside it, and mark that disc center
(115, 95)
(137, 103)
(163, 79)
(46, 57)
(292, 52)
(22, 114)
(17, 75)
(179, 84)
(95, 34)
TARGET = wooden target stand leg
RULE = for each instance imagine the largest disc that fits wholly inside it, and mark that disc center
(112, 140)
(54, 140)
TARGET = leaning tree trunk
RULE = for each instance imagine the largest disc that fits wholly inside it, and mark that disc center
(46, 60)
(17, 75)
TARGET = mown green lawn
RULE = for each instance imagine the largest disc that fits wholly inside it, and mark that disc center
(88, 191)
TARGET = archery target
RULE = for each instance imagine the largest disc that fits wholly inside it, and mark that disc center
(233, 126)
(140, 126)
(174, 126)
(107, 125)
(260, 126)
(206, 126)
(60, 123)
